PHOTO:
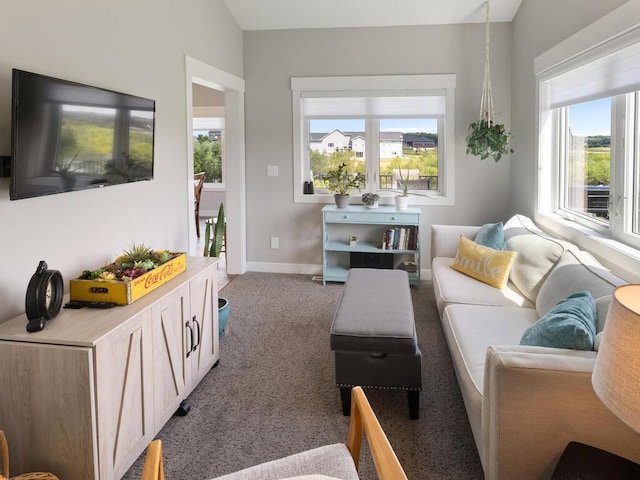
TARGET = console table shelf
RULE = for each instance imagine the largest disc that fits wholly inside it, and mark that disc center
(369, 225)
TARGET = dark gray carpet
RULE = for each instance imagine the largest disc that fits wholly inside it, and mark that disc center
(273, 393)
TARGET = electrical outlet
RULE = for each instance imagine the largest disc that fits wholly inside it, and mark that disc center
(274, 243)
(272, 171)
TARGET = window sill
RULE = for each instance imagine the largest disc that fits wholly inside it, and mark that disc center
(615, 255)
(385, 199)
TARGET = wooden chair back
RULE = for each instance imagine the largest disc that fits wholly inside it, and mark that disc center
(153, 468)
(198, 182)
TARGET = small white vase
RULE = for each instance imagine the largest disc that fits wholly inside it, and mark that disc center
(401, 202)
(373, 205)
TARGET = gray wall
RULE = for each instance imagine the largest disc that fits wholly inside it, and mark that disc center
(538, 26)
(134, 47)
(273, 57)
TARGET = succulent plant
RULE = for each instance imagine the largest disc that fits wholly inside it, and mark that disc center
(138, 252)
(134, 262)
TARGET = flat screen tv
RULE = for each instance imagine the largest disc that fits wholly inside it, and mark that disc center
(66, 136)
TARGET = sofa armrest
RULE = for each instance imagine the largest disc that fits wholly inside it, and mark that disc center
(444, 238)
(536, 400)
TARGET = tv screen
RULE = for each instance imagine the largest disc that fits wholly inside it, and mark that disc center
(67, 136)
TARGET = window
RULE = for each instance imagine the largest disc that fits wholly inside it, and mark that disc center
(394, 129)
(208, 149)
(589, 140)
(585, 162)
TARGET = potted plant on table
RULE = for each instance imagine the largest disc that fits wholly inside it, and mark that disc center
(402, 200)
(370, 199)
(341, 181)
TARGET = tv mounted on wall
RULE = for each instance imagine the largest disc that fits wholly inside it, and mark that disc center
(67, 136)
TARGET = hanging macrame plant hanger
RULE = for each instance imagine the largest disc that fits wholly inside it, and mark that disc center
(486, 101)
(487, 138)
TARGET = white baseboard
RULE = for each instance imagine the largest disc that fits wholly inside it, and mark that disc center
(304, 269)
(284, 268)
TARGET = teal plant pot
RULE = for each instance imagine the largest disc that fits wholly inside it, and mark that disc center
(223, 315)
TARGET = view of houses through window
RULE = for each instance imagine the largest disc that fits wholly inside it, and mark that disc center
(407, 150)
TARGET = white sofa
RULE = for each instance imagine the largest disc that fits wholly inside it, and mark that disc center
(524, 403)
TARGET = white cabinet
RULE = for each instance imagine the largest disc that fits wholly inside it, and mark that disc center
(185, 342)
(125, 423)
(203, 290)
(84, 397)
(369, 225)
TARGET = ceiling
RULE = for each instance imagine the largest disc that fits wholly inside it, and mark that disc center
(292, 14)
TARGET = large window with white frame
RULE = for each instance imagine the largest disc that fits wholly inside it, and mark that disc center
(394, 129)
(589, 143)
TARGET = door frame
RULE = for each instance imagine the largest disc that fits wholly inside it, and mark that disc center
(235, 205)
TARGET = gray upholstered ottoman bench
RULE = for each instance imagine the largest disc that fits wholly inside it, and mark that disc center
(373, 336)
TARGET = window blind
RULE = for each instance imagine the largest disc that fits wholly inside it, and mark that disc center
(336, 106)
(591, 78)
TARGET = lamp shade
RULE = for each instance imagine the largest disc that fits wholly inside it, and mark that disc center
(616, 375)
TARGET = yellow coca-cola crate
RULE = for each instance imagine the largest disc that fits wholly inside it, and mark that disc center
(123, 292)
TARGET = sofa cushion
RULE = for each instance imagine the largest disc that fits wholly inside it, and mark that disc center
(491, 235)
(576, 271)
(451, 286)
(537, 254)
(483, 263)
(570, 324)
(472, 329)
(602, 310)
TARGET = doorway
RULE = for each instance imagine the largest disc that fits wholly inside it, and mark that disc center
(200, 76)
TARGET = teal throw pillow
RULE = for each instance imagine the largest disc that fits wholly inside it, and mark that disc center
(570, 324)
(491, 235)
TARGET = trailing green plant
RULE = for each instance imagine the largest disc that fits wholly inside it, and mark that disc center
(488, 139)
(214, 234)
(340, 180)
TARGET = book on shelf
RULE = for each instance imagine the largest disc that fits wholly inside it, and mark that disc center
(400, 238)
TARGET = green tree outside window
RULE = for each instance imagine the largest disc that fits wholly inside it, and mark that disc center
(207, 157)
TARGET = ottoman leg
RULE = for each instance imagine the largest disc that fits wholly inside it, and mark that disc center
(414, 403)
(345, 396)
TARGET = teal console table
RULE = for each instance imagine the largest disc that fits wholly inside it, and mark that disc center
(375, 228)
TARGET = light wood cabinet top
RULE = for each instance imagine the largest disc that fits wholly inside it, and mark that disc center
(86, 326)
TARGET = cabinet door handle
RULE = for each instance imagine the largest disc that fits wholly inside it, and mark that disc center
(190, 328)
(195, 347)
(345, 216)
(393, 218)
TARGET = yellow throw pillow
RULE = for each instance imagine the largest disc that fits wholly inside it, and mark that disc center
(483, 263)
